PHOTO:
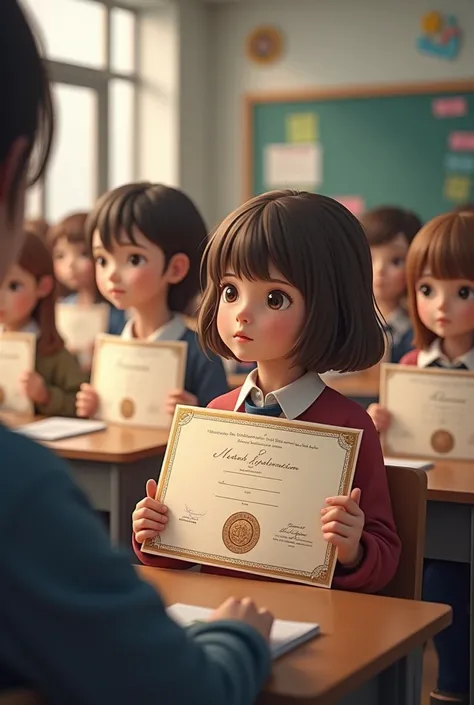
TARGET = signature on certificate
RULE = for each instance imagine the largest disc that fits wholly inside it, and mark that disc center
(191, 514)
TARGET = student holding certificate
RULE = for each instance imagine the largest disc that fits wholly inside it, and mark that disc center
(27, 302)
(440, 276)
(146, 242)
(78, 625)
(289, 284)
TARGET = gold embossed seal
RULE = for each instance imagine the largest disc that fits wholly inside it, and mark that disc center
(127, 408)
(241, 532)
(442, 441)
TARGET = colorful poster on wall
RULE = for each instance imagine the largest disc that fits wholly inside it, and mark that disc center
(355, 204)
(460, 163)
(457, 188)
(461, 141)
(293, 166)
(302, 127)
(455, 106)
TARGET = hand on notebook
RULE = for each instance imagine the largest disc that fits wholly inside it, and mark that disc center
(246, 611)
(179, 396)
(342, 523)
(87, 401)
(150, 517)
(34, 387)
(380, 416)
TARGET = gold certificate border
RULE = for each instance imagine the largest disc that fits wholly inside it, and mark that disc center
(387, 372)
(348, 439)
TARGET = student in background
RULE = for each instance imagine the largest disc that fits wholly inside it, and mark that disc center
(440, 277)
(389, 232)
(27, 303)
(78, 626)
(146, 241)
(74, 268)
(269, 266)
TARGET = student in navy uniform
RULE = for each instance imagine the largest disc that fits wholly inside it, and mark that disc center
(77, 625)
(440, 276)
(390, 231)
(146, 241)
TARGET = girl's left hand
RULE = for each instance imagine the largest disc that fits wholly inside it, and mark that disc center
(342, 523)
(179, 396)
(34, 387)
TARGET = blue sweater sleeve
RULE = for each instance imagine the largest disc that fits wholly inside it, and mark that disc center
(78, 625)
(205, 374)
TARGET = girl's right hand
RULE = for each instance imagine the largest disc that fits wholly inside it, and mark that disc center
(380, 416)
(245, 611)
(150, 516)
(87, 401)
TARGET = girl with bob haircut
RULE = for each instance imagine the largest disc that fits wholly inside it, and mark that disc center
(440, 278)
(27, 304)
(289, 285)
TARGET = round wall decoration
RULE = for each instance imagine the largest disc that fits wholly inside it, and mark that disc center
(265, 45)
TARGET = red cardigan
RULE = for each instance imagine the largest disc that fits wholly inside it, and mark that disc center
(382, 546)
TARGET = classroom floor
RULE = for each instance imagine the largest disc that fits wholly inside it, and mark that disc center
(430, 667)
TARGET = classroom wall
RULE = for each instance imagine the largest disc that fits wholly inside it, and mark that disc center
(328, 43)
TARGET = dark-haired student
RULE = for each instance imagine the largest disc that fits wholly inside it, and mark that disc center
(390, 231)
(289, 285)
(146, 241)
(76, 623)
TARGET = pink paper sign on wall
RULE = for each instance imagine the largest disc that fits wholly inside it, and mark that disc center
(455, 106)
(354, 204)
(461, 141)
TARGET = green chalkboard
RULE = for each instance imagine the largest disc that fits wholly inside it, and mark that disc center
(384, 145)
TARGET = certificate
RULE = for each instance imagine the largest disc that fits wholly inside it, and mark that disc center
(79, 326)
(245, 492)
(133, 379)
(432, 411)
(17, 356)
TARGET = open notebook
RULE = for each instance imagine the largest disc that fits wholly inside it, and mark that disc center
(285, 636)
(56, 427)
(409, 463)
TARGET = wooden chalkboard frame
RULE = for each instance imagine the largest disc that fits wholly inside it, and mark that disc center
(307, 95)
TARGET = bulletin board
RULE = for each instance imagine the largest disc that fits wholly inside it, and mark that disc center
(408, 145)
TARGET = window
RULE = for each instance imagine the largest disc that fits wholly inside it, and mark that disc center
(90, 50)
(71, 30)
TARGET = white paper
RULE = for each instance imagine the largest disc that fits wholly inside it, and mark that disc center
(56, 427)
(293, 165)
(408, 463)
(17, 356)
(284, 635)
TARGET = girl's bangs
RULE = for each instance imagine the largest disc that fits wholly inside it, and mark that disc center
(450, 255)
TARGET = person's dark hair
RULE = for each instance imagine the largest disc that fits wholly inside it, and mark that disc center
(166, 217)
(25, 106)
(464, 208)
(384, 224)
(71, 228)
(321, 249)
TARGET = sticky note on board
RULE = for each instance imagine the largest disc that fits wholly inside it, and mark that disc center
(457, 188)
(354, 204)
(453, 106)
(461, 141)
(460, 163)
(302, 127)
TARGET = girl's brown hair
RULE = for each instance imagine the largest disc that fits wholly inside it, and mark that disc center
(35, 258)
(321, 249)
(445, 248)
(72, 228)
(384, 224)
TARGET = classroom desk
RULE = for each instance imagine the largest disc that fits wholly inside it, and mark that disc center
(450, 522)
(361, 656)
(112, 467)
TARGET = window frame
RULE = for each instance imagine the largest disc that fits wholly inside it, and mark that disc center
(99, 80)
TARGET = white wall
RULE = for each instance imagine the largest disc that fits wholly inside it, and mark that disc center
(328, 42)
